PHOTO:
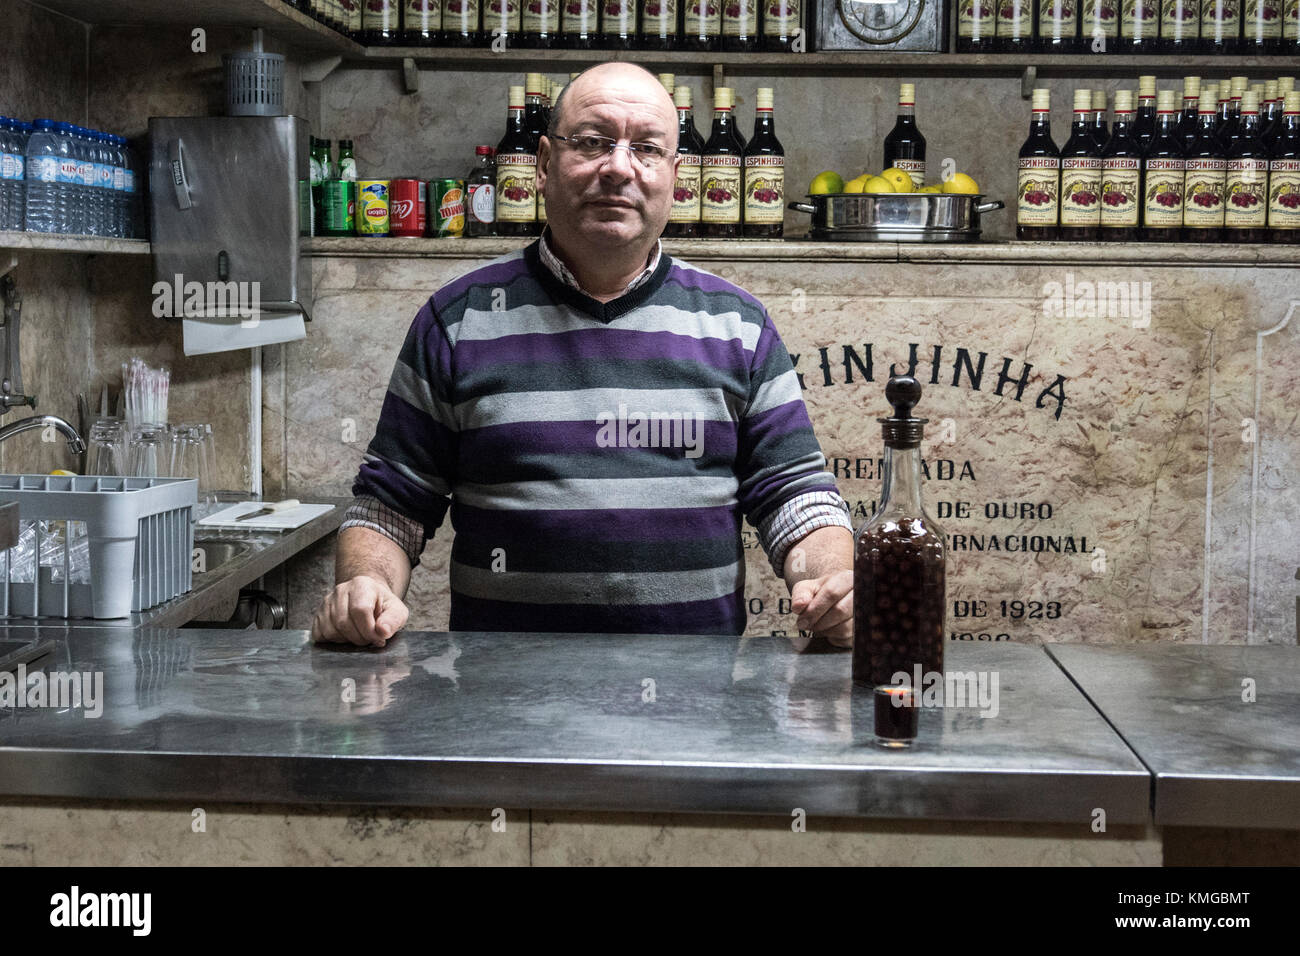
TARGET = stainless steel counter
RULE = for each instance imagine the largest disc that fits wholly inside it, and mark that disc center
(546, 721)
(1217, 759)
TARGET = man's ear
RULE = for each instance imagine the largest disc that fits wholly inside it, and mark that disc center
(543, 157)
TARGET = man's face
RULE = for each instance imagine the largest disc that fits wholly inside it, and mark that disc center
(612, 198)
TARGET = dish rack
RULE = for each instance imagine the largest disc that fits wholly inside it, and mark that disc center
(139, 535)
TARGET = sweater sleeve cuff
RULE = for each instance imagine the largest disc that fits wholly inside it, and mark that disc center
(798, 518)
(368, 512)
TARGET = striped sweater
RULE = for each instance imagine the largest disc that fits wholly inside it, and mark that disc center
(597, 458)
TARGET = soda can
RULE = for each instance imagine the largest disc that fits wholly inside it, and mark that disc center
(447, 206)
(340, 207)
(372, 207)
(406, 205)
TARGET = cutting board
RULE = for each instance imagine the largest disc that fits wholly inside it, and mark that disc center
(280, 521)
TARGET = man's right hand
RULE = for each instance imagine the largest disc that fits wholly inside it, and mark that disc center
(360, 611)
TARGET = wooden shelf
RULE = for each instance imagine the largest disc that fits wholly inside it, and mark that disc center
(274, 16)
(53, 242)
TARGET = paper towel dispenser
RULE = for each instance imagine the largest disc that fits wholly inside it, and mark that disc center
(225, 231)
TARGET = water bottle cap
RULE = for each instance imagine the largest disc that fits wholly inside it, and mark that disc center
(46, 124)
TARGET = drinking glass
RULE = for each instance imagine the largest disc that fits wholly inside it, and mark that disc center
(107, 448)
(190, 458)
(149, 454)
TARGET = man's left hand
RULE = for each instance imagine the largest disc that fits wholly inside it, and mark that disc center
(825, 606)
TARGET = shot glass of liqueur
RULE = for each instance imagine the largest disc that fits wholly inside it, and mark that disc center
(896, 715)
(1081, 176)
(1038, 188)
(1245, 194)
(1284, 175)
(898, 560)
(1206, 166)
(1163, 172)
(1121, 175)
(905, 146)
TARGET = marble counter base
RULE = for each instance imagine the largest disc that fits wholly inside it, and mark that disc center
(113, 834)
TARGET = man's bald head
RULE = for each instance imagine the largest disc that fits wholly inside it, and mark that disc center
(617, 74)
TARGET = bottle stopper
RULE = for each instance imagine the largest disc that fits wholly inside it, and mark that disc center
(902, 429)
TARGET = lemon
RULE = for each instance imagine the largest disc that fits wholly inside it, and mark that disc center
(898, 178)
(856, 185)
(64, 472)
(827, 182)
(930, 189)
(961, 183)
(878, 184)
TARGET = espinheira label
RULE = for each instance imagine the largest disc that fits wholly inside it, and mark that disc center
(1120, 181)
(517, 188)
(1284, 194)
(1080, 191)
(702, 18)
(503, 14)
(1263, 18)
(1138, 19)
(1291, 19)
(1245, 194)
(1038, 191)
(740, 18)
(915, 169)
(1056, 19)
(659, 18)
(975, 19)
(720, 189)
(1179, 19)
(1220, 19)
(1164, 195)
(423, 14)
(764, 190)
(1100, 18)
(1015, 19)
(686, 190)
(780, 18)
(1203, 205)
(541, 16)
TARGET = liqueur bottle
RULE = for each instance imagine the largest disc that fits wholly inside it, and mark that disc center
(739, 25)
(1100, 129)
(764, 213)
(1284, 175)
(1229, 118)
(1203, 192)
(516, 174)
(1220, 25)
(503, 19)
(1139, 22)
(1270, 112)
(1081, 176)
(720, 174)
(1039, 181)
(481, 194)
(781, 21)
(976, 21)
(1180, 26)
(735, 127)
(1163, 172)
(1187, 121)
(1121, 175)
(1291, 28)
(658, 24)
(684, 219)
(1099, 26)
(421, 22)
(899, 560)
(460, 23)
(1261, 27)
(379, 22)
(540, 24)
(1015, 26)
(905, 146)
(1144, 127)
(1245, 193)
(618, 24)
(701, 24)
(535, 122)
(1058, 26)
(579, 24)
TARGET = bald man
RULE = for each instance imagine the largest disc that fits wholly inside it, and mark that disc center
(598, 417)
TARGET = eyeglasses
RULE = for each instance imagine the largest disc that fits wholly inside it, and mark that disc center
(590, 146)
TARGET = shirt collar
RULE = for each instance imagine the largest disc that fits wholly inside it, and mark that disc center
(561, 271)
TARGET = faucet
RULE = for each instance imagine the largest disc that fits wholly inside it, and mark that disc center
(75, 444)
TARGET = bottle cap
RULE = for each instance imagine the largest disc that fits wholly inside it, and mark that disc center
(731, 95)
(668, 81)
(1099, 99)
(907, 94)
(1291, 103)
(1250, 102)
(720, 99)
(1270, 90)
(1285, 84)
(682, 96)
(1123, 101)
(902, 430)
(1165, 101)
(516, 97)
(1258, 90)
(1146, 86)
(1082, 101)
(482, 150)
(1239, 85)
(1212, 89)
(1042, 100)
(1207, 102)
(534, 84)
(763, 101)
(1191, 87)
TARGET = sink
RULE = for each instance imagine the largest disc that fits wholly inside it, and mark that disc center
(216, 552)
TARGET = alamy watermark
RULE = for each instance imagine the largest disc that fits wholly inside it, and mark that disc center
(634, 429)
(948, 689)
(57, 690)
(179, 299)
(1098, 300)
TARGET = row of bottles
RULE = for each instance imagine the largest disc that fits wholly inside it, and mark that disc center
(1218, 170)
(738, 25)
(1251, 27)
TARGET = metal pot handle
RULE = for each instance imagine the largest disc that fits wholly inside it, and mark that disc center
(801, 207)
(990, 206)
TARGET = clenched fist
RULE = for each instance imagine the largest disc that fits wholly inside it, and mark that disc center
(825, 606)
(360, 611)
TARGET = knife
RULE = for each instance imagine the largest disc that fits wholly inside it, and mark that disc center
(272, 508)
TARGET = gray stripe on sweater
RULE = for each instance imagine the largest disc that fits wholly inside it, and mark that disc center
(612, 588)
(567, 494)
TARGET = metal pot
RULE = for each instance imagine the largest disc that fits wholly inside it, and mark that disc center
(896, 217)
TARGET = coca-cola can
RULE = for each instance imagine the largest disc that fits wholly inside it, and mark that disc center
(406, 208)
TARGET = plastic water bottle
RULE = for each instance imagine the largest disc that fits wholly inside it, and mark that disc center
(90, 180)
(119, 188)
(134, 216)
(104, 174)
(22, 132)
(6, 168)
(44, 212)
(69, 194)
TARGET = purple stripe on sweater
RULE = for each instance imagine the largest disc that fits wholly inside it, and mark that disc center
(724, 615)
(689, 279)
(600, 343)
(616, 524)
(781, 420)
(716, 439)
(492, 274)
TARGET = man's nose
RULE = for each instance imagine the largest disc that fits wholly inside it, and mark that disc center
(618, 164)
